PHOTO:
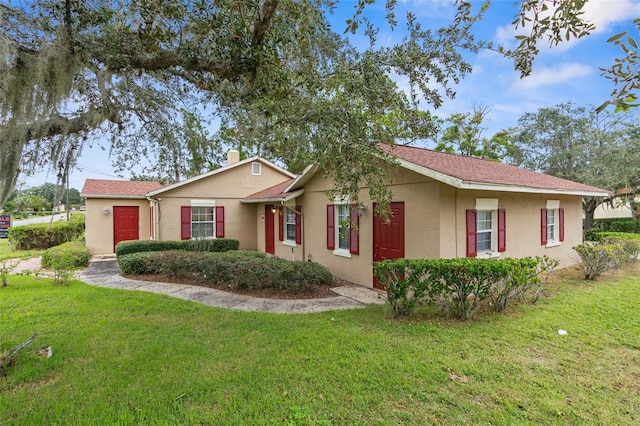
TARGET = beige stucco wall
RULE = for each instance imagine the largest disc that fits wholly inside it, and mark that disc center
(226, 189)
(422, 229)
(605, 211)
(99, 226)
(522, 223)
(432, 229)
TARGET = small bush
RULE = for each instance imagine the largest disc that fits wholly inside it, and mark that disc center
(598, 258)
(67, 257)
(46, 235)
(234, 269)
(216, 245)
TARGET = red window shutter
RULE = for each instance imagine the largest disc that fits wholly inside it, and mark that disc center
(331, 227)
(502, 230)
(220, 222)
(354, 231)
(185, 222)
(151, 229)
(561, 223)
(281, 213)
(298, 224)
(472, 237)
(543, 226)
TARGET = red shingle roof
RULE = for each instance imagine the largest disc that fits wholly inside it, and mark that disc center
(476, 170)
(275, 191)
(117, 188)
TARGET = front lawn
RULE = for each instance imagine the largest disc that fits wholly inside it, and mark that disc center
(7, 253)
(122, 357)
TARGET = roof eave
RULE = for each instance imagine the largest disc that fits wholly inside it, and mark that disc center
(304, 177)
(105, 196)
(284, 199)
(485, 186)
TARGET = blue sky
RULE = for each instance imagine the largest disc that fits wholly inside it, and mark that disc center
(567, 72)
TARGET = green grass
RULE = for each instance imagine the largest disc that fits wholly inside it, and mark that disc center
(122, 357)
(6, 252)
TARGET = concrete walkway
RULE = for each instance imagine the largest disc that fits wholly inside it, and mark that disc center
(103, 271)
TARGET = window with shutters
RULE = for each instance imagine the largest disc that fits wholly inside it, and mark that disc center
(342, 228)
(290, 225)
(201, 220)
(552, 224)
(203, 223)
(486, 229)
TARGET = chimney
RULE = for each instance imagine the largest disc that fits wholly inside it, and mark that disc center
(233, 156)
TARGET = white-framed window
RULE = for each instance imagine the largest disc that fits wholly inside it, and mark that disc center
(552, 222)
(256, 169)
(290, 225)
(486, 229)
(203, 224)
(342, 227)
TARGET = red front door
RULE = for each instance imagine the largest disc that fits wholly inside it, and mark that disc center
(388, 238)
(125, 224)
(269, 230)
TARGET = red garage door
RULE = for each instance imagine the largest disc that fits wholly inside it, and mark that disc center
(125, 224)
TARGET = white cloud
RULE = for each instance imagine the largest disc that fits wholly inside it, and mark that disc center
(550, 76)
(602, 13)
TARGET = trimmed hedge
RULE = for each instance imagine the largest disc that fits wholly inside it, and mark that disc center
(137, 246)
(46, 235)
(234, 269)
(459, 285)
(619, 224)
(66, 257)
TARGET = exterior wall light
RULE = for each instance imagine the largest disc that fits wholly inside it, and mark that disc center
(105, 210)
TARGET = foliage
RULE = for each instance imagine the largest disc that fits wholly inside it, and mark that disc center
(212, 245)
(463, 135)
(617, 225)
(236, 270)
(624, 72)
(573, 142)
(609, 236)
(43, 236)
(458, 286)
(68, 256)
(597, 258)
(283, 84)
(9, 207)
(64, 259)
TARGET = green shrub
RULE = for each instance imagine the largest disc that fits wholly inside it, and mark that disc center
(46, 235)
(597, 258)
(135, 263)
(68, 256)
(618, 224)
(214, 245)
(234, 269)
(458, 286)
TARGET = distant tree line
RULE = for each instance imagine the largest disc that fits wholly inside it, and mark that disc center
(40, 198)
